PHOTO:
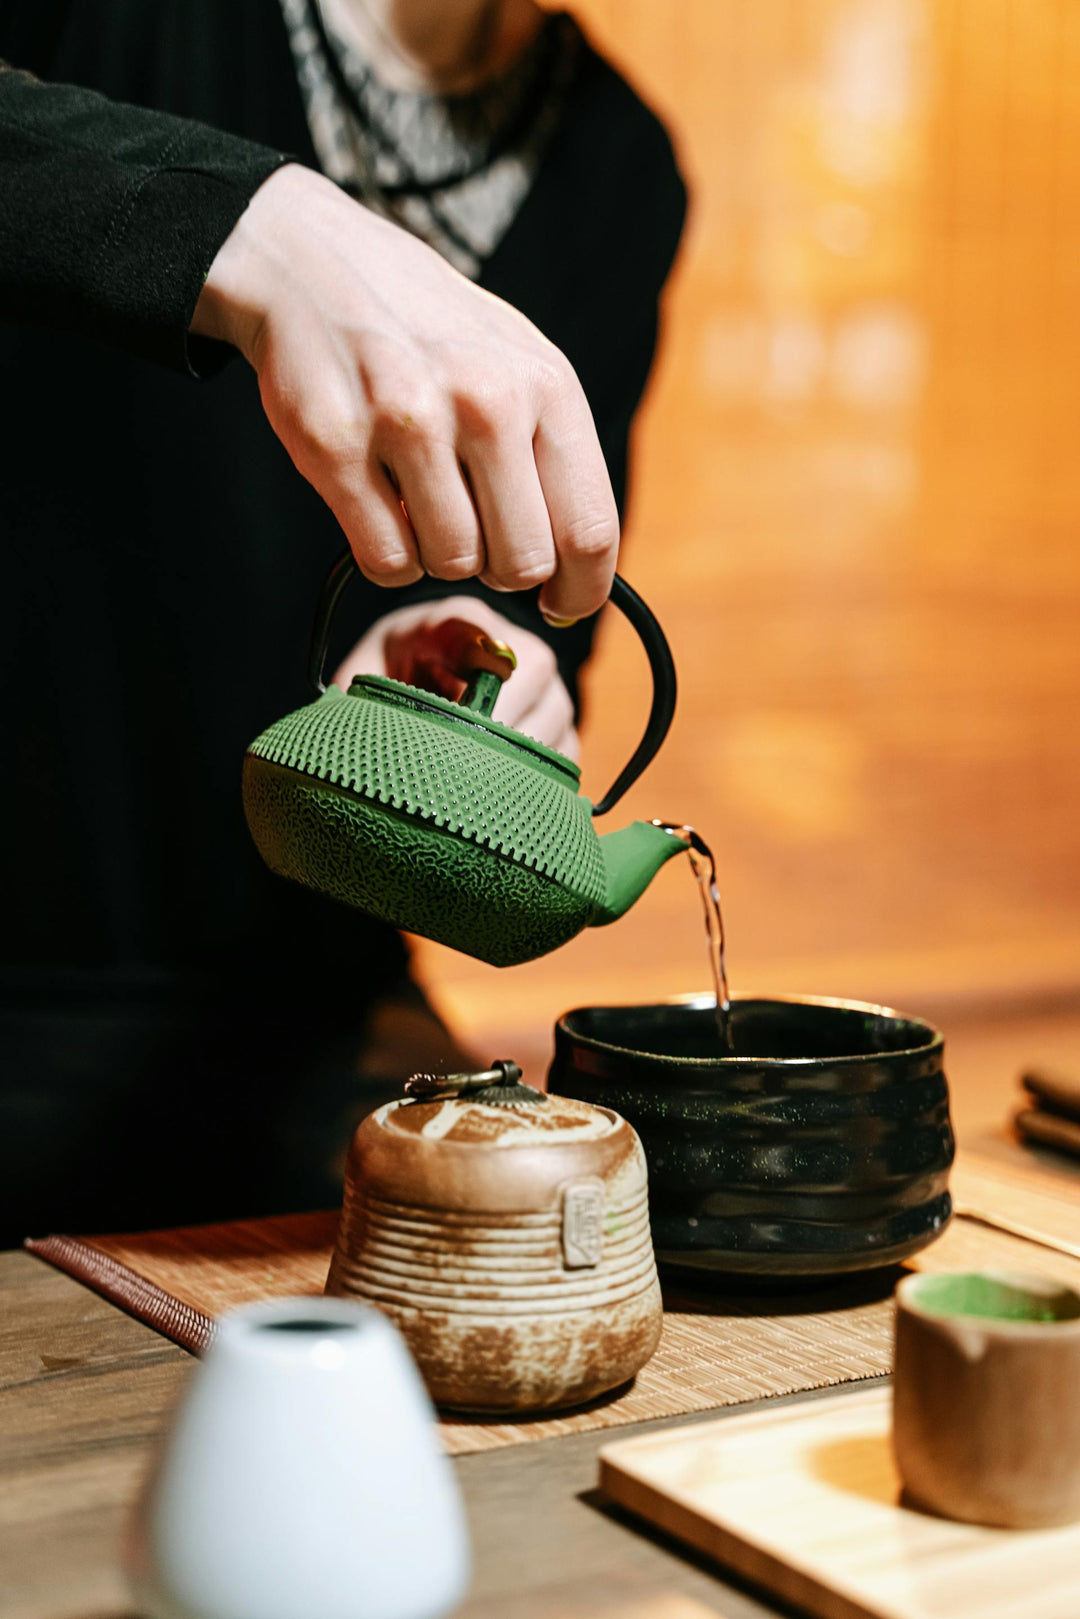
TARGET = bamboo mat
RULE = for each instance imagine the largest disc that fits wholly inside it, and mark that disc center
(716, 1349)
(1025, 1201)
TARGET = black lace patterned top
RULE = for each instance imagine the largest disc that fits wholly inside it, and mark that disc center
(454, 170)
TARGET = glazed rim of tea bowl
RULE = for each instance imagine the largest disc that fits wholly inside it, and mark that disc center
(827, 1153)
(914, 1034)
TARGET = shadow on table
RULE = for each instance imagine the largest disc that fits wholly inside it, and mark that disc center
(525, 1419)
(738, 1595)
(741, 1296)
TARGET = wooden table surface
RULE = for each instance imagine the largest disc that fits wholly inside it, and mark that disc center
(85, 1391)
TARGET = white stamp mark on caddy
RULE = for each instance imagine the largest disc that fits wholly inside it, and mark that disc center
(583, 1223)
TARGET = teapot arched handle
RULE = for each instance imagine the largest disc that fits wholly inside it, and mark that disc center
(665, 690)
(623, 597)
(331, 593)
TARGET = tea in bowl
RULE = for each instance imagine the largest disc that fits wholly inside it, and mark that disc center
(820, 1144)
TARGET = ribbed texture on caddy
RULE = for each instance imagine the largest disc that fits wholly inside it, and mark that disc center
(404, 1255)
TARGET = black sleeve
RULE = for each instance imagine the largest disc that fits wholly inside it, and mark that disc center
(111, 215)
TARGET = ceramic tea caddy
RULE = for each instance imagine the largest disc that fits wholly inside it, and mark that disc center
(435, 817)
(506, 1235)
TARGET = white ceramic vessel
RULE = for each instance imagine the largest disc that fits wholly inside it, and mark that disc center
(302, 1479)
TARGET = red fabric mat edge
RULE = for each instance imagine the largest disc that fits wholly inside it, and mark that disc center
(147, 1302)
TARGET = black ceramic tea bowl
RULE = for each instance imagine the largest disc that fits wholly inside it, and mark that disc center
(821, 1145)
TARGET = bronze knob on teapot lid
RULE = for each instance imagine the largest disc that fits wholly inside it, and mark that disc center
(506, 1234)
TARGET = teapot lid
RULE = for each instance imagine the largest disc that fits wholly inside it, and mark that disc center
(472, 713)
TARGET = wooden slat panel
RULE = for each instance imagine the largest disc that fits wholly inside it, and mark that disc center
(856, 503)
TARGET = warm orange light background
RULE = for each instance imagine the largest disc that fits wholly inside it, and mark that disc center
(856, 510)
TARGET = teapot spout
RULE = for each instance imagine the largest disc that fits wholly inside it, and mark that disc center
(632, 858)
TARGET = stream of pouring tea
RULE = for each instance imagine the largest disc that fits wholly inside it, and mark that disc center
(703, 864)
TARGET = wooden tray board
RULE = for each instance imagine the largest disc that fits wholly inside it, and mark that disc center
(805, 1501)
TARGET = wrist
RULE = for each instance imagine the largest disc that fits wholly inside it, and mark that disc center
(235, 297)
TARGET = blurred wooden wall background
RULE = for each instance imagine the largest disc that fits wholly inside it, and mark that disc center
(856, 509)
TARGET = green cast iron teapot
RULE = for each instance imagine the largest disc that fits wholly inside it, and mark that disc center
(431, 815)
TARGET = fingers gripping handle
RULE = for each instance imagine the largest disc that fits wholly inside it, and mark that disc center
(477, 652)
(623, 597)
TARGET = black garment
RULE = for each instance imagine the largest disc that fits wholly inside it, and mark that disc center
(161, 559)
(111, 219)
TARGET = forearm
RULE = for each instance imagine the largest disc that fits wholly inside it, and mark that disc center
(111, 215)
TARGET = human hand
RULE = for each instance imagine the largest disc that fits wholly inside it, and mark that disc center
(445, 432)
(422, 646)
